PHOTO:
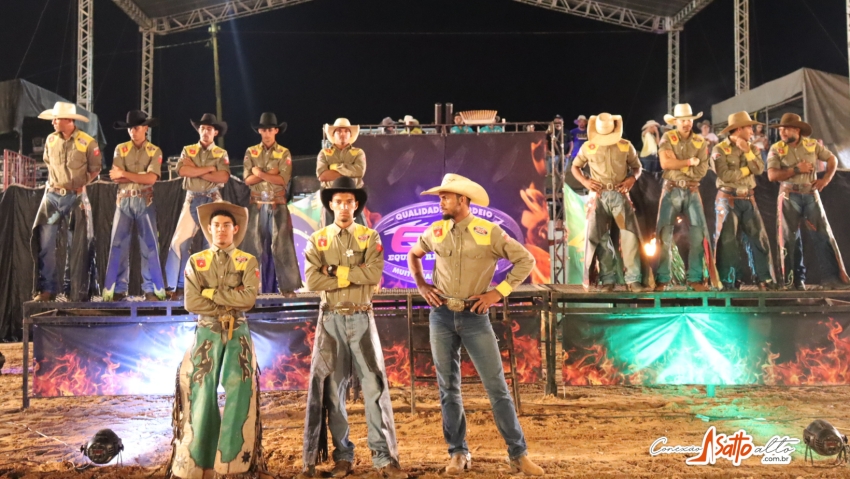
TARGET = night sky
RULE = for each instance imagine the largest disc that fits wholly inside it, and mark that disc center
(368, 59)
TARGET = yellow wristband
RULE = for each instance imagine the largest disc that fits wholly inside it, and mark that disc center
(745, 171)
(750, 156)
(342, 276)
(334, 166)
(208, 293)
(504, 289)
(686, 169)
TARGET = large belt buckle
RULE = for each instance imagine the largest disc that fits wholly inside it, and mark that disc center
(610, 186)
(60, 191)
(134, 193)
(455, 304)
(682, 183)
(265, 195)
(742, 192)
(345, 309)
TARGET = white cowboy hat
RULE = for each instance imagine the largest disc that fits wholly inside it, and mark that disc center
(682, 111)
(342, 123)
(580, 117)
(461, 185)
(63, 110)
(604, 129)
(650, 123)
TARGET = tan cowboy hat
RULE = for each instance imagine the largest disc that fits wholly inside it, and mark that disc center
(682, 111)
(63, 110)
(793, 120)
(739, 120)
(580, 117)
(342, 123)
(650, 123)
(461, 185)
(604, 129)
(206, 211)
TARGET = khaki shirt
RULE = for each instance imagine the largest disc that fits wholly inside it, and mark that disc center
(358, 273)
(349, 161)
(212, 277)
(783, 156)
(467, 253)
(608, 164)
(212, 155)
(728, 161)
(683, 149)
(147, 159)
(267, 159)
(69, 162)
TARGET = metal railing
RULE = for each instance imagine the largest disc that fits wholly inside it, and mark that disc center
(18, 170)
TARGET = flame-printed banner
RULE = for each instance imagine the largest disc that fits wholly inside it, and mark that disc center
(694, 348)
(142, 358)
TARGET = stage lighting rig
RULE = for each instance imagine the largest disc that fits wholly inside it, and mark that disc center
(103, 447)
(824, 439)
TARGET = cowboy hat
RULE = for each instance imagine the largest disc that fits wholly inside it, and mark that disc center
(704, 123)
(135, 118)
(739, 120)
(650, 123)
(682, 111)
(387, 122)
(61, 109)
(240, 213)
(344, 184)
(342, 123)
(793, 120)
(605, 129)
(580, 117)
(461, 185)
(210, 120)
(269, 120)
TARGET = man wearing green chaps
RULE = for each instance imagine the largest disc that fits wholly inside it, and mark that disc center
(221, 284)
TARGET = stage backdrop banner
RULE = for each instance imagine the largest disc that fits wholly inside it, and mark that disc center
(731, 349)
(142, 358)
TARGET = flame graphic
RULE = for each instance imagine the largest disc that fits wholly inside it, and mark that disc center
(291, 372)
(812, 365)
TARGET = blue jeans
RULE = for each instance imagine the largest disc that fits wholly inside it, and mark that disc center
(450, 330)
(187, 227)
(76, 210)
(347, 331)
(129, 211)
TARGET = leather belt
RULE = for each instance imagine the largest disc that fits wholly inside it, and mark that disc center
(682, 184)
(146, 193)
(214, 194)
(736, 192)
(346, 308)
(457, 304)
(64, 191)
(803, 189)
(266, 198)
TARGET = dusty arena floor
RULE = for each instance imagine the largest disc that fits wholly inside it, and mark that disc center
(584, 433)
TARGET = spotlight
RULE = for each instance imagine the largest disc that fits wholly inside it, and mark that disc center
(103, 447)
(650, 248)
(824, 439)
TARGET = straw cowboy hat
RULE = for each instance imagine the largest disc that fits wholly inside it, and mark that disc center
(342, 123)
(461, 185)
(580, 117)
(739, 120)
(793, 120)
(344, 184)
(269, 120)
(650, 123)
(604, 129)
(682, 111)
(206, 211)
(210, 120)
(63, 110)
(135, 118)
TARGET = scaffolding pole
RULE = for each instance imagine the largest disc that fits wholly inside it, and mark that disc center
(673, 68)
(146, 99)
(742, 46)
(557, 212)
(85, 50)
(214, 29)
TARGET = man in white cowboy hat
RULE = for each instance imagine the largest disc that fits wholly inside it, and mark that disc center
(467, 249)
(614, 169)
(136, 166)
(221, 284)
(792, 162)
(649, 152)
(342, 158)
(345, 262)
(73, 160)
(684, 159)
(737, 163)
(205, 168)
(578, 136)
(267, 171)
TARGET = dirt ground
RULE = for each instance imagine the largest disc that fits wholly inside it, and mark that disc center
(585, 432)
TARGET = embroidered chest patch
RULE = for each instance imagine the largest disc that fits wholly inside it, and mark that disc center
(241, 259)
(363, 238)
(438, 232)
(322, 242)
(201, 263)
(480, 230)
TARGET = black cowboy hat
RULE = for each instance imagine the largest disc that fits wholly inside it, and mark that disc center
(269, 120)
(135, 118)
(344, 184)
(211, 120)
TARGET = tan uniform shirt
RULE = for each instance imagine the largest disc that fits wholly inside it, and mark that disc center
(268, 159)
(358, 252)
(212, 277)
(784, 156)
(683, 149)
(609, 164)
(147, 159)
(467, 253)
(70, 161)
(349, 161)
(729, 161)
(212, 155)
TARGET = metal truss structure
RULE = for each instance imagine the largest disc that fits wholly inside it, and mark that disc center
(742, 46)
(559, 262)
(146, 97)
(85, 53)
(673, 69)
(625, 17)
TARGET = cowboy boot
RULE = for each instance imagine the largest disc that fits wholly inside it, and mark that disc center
(526, 466)
(341, 469)
(459, 463)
